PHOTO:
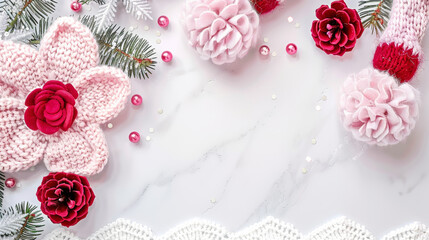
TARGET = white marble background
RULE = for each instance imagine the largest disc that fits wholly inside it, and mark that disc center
(225, 151)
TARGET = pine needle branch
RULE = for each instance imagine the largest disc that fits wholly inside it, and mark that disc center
(125, 50)
(375, 14)
(11, 223)
(2, 178)
(106, 14)
(138, 8)
(21, 222)
(25, 14)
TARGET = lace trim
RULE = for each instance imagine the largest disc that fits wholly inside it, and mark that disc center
(268, 229)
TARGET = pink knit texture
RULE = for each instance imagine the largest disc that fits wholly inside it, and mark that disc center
(376, 110)
(221, 30)
(407, 24)
(68, 53)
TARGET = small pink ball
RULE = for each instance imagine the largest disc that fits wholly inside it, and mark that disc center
(264, 50)
(291, 49)
(136, 100)
(134, 137)
(10, 182)
(163, 21)
(167, 56)
(76, 6)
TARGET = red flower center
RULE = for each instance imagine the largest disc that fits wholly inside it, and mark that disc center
(51, 107)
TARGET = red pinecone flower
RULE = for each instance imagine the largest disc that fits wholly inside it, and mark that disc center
(65, 197)
(264, 6)
(337, 29)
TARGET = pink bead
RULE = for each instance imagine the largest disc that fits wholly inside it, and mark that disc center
(264, 50)
(136, 100)
(10, 183)
(291, 49)
(167, 56)
(134, 137)
(76, 6)
(163, 21)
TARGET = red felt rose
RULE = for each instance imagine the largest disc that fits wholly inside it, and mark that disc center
(264, 6)
(337, 29)
(51, 107)
(65, 197)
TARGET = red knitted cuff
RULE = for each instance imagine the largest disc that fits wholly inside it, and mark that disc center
(399, 62)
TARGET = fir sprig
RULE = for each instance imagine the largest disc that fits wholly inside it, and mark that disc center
(100, 2)
(25, 14)
(375, 14)
(2, 178)
(125, 50)
(31, 224)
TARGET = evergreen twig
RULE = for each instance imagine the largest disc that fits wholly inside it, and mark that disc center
(25, 14)
(375, 14)
(125, 50)
(99, 2)
(31, 224)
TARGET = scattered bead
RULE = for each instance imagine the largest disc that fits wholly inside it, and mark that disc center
(10, 182)
(308, 159)
(134, 137)
(264, 50)
(151, 130)
(76, 6)
(158, 33)
(110, 125)
(148, 138)
(160, 111)
(274, 97)
(304, 170)
(167, 56)
(265, 39)
(18, 185)
(297, 25)
(136, 100)
(290, 19)
(324, 98)
(213, 200)
(158, 41)
(131, 29)
(291, 49)
(274, 54)
(146, 28)
(318, 108)
(163, 21)
(313, 141)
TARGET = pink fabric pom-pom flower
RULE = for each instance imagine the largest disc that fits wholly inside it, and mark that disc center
(221, 30)
(376, 109)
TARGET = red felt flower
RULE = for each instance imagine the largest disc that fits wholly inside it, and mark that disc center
(337, 28)
(51, 107)
(65, 197)
(264, 6)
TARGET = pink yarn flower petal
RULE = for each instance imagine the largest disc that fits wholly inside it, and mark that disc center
(20, 147)
(19, 70)
(376, 109)
(102, 93)
(68, 49)
(81, 150)
(221, 30)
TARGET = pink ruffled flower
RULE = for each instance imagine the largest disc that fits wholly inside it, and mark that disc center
(376, 110)
(221, 30)
(63, 116)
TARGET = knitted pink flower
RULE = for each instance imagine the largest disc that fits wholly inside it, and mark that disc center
(221, 30)
(376, 110)
(63, 96)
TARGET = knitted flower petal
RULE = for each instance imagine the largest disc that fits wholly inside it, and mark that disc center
(102, 93)
(19, 70)
(21, 148)
(81, 150)
(67, 49)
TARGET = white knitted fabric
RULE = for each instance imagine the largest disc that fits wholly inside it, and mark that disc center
(268, 229)
(407, 24)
